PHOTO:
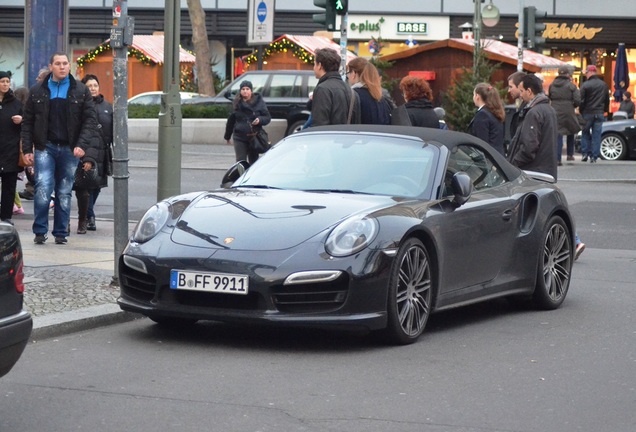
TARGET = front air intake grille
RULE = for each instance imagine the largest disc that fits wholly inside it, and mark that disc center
(311, 297)
(136, 285)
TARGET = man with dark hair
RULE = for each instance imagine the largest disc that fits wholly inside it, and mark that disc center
(513, 90)
(59, 126)
(334, 102)
(534, 143)
(594, 104)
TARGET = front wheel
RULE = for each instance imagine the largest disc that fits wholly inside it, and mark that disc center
(613, 147)
(555, 265)
(410, 293)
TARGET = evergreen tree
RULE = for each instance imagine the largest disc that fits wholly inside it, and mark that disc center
(458, 100)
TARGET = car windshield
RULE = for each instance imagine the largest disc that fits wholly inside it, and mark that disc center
(343, 162)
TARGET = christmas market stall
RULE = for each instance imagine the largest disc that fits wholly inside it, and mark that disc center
(145, 66)
(291, 52)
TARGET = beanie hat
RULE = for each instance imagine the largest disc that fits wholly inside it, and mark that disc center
(246, 83)
(4, 74)
(564, 70)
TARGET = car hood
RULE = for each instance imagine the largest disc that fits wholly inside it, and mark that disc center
(255, 219)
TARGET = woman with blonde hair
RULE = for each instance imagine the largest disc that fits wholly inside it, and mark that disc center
(488, 122)
(365, 80)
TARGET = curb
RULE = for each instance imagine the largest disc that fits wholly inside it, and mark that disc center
(55, 325)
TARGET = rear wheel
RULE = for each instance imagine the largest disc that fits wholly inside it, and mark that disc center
(555, 265)
(295, 127)
(410, 293)
(613, 147)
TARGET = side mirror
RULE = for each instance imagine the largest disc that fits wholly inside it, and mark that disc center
(233, 173)
(462, 187)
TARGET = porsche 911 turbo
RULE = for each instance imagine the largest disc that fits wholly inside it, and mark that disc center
(356, 226)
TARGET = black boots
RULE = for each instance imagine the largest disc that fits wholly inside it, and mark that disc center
(91, 224)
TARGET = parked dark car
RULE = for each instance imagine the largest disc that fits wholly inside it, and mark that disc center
(286, 93)
(618, 140)
(360, 226)
(15, 322)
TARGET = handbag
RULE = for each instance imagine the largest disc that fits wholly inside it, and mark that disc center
(259, 142)
(22, 162)
(86, 179)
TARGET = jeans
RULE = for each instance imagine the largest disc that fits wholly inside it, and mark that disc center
(570, 146)
(92, 198)
(591, 139)
(54, 172)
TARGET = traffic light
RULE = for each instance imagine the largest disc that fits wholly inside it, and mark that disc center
(533, 30)
(328, 19)
(341, 6)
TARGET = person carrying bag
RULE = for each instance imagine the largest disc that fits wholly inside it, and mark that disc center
(248, 117)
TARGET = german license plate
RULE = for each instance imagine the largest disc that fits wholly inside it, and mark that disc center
(209, 282)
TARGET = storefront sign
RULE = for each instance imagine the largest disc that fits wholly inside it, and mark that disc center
(561, 31)
(577, 31)
(365, 27)
(412, 28)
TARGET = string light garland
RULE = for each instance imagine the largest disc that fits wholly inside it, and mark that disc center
(100, 49)
(283, 45)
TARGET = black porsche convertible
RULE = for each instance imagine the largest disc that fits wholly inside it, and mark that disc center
(370, 227)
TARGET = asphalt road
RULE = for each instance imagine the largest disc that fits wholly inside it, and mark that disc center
(491, 367)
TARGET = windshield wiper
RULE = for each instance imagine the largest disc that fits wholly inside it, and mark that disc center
(256, 186)
(345, 191)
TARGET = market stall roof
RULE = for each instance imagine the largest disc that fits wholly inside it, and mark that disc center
(494, 50)
(303, 47)
(148, 48)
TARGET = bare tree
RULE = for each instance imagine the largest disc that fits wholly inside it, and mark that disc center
(201, 48)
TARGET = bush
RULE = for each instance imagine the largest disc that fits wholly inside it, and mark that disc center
(187, 111)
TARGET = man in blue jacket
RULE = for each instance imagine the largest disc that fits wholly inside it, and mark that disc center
(59, 128)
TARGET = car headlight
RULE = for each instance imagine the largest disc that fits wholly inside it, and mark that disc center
(152, 222)
(351, 236)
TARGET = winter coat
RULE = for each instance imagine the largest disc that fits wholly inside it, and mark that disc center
(533, 147)
(486, 127)
(371, 110)
(332, 101)
(565, 97)
(422, 114)
(9, 133)
(594, 96)
(81, 119)
(240, 121)
(628, 107)
(105, 125)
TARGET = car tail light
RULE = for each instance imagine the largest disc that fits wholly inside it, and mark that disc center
(18, 277)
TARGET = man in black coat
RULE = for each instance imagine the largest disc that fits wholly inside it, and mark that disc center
(533, 146)
(59, 127)
(594, 104)
(334, 101)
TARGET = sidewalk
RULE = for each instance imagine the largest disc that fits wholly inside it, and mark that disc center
(69, 287)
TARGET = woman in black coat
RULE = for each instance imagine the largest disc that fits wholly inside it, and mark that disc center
(488, 122)
(10, 120)
(418, 96)
(86, 198)
(250, 114)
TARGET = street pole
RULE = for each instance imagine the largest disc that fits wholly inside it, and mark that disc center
(520, 37)
(476, 35)
(344, 19)
(169, 155)
(121, 35)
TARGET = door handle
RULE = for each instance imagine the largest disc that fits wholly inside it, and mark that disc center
(507, 215)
